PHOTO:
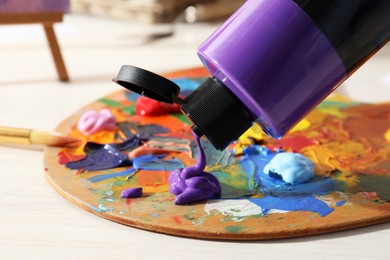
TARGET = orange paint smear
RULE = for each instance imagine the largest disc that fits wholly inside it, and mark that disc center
(293, 143)
(188, 73)
(152, 178)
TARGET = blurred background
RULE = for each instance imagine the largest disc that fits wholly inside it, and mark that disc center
(96, 37)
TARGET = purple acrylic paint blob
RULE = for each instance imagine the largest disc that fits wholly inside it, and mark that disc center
(192, 184)
(131, 193)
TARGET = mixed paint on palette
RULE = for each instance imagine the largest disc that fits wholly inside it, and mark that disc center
(130, 152)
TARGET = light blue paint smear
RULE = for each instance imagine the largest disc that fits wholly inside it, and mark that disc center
(96, 209)
(280, 195)
(188, 84)
(155, 163)
(337, 104)
(104, 177)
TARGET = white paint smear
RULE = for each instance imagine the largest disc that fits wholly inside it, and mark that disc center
(236, 208)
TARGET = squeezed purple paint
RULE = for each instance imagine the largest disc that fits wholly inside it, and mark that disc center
(193, 184)
(131, 193)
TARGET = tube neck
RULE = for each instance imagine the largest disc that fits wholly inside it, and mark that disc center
(216, 113)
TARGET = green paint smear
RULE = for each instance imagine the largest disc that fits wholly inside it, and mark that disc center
(182, 118)
(336, 175)
(110, 103)
(129, 110)
(236, 183)
(194, 220)
(378, 184)
(234, 229)
(337, 104)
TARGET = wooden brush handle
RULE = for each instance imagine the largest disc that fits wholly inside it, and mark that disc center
(14, 135)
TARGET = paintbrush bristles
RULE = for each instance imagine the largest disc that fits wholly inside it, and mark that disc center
(51, 139)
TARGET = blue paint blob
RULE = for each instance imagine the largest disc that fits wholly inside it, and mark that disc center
(290, 167)
(280, 195)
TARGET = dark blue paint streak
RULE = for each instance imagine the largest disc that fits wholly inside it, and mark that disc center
(105, 156)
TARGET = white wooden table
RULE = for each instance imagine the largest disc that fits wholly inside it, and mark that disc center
(37, 223)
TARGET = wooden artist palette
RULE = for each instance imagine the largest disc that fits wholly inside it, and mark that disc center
(348, 142)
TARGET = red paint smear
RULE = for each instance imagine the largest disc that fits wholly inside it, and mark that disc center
(295, 143)
(176, 219)
(64, 157)
(148, 107)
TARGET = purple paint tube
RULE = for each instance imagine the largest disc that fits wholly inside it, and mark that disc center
(271, 63)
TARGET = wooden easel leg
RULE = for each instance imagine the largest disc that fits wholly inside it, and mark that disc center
(56, 52)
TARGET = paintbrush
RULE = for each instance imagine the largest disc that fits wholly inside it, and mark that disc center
(10, 135)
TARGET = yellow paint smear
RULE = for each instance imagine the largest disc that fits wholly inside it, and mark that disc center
(301, 126)
(387, 135)
(254, 133)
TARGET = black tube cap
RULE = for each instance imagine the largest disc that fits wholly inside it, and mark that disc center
(216, 113)
(148, 84)
(214, 110)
